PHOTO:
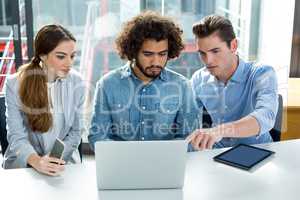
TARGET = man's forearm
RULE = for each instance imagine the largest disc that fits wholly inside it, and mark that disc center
(245, 127)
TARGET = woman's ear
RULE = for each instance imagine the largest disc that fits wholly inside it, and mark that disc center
(43, 58)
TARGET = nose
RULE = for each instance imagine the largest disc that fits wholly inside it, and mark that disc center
(69, 63)
(209, 59)
(157, 59)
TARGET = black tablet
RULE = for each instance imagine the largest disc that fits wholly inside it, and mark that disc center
(243, 156)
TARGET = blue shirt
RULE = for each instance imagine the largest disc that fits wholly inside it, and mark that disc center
(252, 90)
(127, 109)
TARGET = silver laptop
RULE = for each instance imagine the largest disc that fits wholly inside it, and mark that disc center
(140, 164)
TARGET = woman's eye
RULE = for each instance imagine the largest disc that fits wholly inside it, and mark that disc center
(60, 57)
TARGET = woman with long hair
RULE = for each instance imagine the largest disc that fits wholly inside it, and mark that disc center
(44, 101)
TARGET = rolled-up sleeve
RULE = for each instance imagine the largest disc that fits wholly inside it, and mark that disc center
(266, 99)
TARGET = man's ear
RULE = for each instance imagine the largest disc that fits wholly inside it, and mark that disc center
(233, 45)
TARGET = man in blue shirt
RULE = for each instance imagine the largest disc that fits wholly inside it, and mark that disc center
(240, 97)
(143, 100)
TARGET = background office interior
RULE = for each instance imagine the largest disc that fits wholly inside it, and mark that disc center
(268, 31)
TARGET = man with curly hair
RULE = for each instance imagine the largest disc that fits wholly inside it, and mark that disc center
(143, 100)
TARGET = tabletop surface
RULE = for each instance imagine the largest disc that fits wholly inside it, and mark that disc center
(278, 177)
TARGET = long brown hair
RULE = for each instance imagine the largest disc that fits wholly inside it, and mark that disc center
(33, 90)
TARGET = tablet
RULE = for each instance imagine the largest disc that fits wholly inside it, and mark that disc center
(243, 156)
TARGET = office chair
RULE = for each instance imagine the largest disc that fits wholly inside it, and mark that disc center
(3, 132)
(80, 150)
(275, 132)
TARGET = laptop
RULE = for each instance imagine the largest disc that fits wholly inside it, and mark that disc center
(140, 164)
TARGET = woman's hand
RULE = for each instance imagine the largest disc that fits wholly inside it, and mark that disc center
(46, 165)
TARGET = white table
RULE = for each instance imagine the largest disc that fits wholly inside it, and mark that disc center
(276, 178)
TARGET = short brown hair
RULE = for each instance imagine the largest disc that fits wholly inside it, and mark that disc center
(149, 25)
(215, 24)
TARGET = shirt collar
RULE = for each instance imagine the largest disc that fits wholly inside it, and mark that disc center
(239, 74)
(126, 71)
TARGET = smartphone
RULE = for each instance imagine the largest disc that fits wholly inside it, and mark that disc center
(57, 149)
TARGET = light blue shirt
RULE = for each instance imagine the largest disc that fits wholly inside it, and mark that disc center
(127, 109)
(252, 90)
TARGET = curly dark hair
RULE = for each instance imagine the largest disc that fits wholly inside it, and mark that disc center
(149, 25)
